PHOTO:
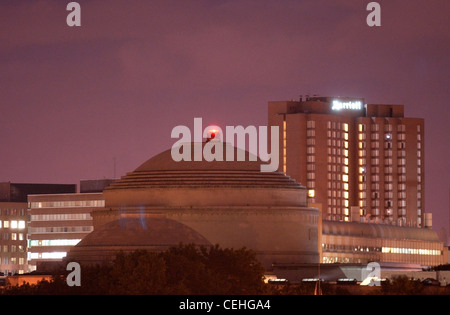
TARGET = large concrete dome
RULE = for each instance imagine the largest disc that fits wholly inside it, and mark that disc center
(230, 203)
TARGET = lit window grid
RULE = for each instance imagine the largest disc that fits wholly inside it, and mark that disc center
(310, 166)
(338, 161)
(13, 224)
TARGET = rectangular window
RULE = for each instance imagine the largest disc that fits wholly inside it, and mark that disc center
(361, 127)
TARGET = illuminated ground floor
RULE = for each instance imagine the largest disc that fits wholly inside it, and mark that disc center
(352, 242)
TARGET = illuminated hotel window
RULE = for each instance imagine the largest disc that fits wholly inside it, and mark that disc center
(362, 127)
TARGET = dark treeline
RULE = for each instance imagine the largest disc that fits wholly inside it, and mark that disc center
(186, 269)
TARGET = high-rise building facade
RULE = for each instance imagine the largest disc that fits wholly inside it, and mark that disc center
(352, 156)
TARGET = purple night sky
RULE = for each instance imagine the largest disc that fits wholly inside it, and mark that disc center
(73, 99)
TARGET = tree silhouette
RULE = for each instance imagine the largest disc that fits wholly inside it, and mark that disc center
(184, 269)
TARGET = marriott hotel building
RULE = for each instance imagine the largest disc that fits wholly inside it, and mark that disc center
(363, 166)
(351, 154)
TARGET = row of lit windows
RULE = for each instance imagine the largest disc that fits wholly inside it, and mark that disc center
(68, 204)
(411, 251)
(12, 249)
(387, 250)
(47, 255)
(13, 260)
(349, 248)
(12, 236)
(13, 224)
(61, 217)
(59, 242)
(376, 137)
(337, 125)
(401, 145)
(337, 143)
(61, 229)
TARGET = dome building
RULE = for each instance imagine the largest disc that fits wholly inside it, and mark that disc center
(230, 203)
